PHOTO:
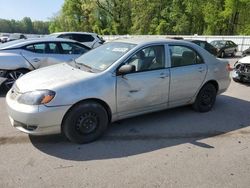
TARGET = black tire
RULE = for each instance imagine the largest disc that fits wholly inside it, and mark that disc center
(222, 54)
(12, 76)
(234, 54)
(85, 122)
(205, 99)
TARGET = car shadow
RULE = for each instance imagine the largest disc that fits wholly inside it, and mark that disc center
(3, 92)
(154, 131)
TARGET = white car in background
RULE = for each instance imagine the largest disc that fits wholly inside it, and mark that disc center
(21, 56)
(91, 40)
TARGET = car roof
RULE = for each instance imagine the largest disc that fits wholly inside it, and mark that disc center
(75, 32)
(23, 42)
(150, 40)
(191, 40)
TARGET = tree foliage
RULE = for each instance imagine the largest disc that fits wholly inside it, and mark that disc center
(210, 17)
(24, 26)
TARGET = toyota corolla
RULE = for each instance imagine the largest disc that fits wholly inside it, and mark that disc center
(117, 80)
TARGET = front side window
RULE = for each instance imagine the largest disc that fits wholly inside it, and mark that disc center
(36, 48)
(149, 58)
(104, 56)
(183, 56)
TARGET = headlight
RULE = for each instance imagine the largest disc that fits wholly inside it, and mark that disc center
(36, 97)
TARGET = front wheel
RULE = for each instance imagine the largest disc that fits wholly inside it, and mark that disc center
(85, 122)
(12, 76)
(205, 98)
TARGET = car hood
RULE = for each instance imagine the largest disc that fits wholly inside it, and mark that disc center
(51, 77)
(245, 60)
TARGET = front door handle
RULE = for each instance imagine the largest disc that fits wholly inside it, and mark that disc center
(201, 69)
(36, 60)
(133, 91)
(163, 75)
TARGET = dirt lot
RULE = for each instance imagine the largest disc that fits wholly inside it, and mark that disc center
(172, 148)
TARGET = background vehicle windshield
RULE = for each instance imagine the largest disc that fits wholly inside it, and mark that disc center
(104, 56)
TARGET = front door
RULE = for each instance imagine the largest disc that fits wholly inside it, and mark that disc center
(146, 89)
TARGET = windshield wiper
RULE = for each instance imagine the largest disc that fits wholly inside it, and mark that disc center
(79, 65)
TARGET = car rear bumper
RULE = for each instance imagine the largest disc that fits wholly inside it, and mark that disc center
(35, 120)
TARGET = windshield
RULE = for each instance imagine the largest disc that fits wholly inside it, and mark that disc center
(102, 57)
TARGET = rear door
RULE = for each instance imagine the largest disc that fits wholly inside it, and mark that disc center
(187, 71)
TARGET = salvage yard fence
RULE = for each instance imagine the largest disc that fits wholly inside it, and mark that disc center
(243, 42)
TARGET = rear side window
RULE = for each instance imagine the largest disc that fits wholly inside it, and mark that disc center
(83, 38)
(66, 36)
(183, 56)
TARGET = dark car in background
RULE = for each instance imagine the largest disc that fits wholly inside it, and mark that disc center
(246, 52)
(225, 48)
(204, 44)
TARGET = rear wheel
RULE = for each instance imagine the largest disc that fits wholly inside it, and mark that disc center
(12, 76)
(205, 98)
(234, 53)
(222, 55)
(85, 122)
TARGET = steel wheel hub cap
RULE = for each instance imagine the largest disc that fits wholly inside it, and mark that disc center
(87, 123)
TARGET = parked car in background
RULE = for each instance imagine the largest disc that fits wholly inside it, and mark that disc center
(21, 56)
(225, 47)
(204, 44)
(117, 80)
(4, 38)
(16, 36)
(246, 52)
(241, 72)
(91, 40)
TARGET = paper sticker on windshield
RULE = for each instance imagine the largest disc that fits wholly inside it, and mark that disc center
(120, 50)
(103, 66)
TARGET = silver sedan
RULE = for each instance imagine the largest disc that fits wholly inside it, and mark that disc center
(115, 81)
(21, 56)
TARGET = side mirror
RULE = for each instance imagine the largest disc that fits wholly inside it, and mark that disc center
(125, 69)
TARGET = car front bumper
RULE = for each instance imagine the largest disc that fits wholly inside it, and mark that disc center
(35, 119)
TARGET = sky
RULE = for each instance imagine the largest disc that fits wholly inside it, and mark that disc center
(35, 9)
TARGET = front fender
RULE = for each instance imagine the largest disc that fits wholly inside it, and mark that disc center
(13, 61)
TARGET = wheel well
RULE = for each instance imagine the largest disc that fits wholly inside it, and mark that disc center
(215, 84)
(20, 69)
(101, 102)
